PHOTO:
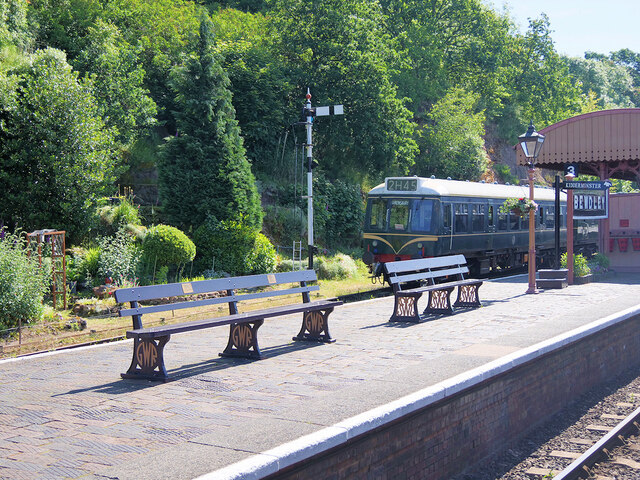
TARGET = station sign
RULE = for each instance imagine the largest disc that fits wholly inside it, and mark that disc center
(590, 199)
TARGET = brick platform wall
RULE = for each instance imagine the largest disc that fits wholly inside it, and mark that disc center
(452, 435)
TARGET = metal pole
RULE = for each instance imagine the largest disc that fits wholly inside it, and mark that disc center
(309, 180)
(569, 231)
(556, 212)
(532, 238)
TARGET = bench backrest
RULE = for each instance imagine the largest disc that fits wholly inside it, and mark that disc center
(229, 286)
(425, 269)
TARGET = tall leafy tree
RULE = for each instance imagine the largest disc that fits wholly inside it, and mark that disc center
(340, 50)
(451, 138)
(204, 170)
(56, 156)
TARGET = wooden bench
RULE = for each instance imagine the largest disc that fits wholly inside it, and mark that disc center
(148, 347)
(439, 276)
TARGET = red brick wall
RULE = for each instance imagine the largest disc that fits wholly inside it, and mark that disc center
(454, 434)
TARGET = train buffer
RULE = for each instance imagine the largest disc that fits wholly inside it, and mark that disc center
(439, 276)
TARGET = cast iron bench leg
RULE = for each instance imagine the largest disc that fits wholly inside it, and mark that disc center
(314, 323)
(468, 296)
(440, 301)
(148, 359)
(243, 340)
(406, 308)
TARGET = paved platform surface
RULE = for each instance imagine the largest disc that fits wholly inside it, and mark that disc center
(69, 415)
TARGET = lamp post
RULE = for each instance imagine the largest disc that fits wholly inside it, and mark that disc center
(531, 143)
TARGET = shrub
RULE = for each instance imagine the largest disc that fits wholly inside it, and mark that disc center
(284, 224)
(23, 284)
(86, 263)
(233, 247)
(339, 267)
(165, 245)
(118, 213)
(580, 265)
(599, 263)
(119, 258)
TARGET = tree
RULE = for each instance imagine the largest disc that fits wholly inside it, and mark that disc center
(451, 143)
(56, 156)
(612, 83)
(117, 77)
(203, 170)
(341, 51)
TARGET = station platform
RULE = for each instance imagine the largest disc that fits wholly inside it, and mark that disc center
(68, 414)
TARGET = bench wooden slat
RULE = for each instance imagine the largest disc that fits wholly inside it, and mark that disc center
(427, 275)
(127, 312)
(152, 292)
(439, 286)
(163, 330)
(418, 264)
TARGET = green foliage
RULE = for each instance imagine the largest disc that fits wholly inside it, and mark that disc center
(117, 215)
(284, 225)
(580, 264)
(87, 262)
(343, 53)
(234, 248)
(519, 206)
(451, 138)
(612, 84)
(119, 259)
(338, 212)
(203, 170)
(23, 284)
(56, 156)
(599, 263)
(338, 267)
(116, 76)
(165, 245)
(14, 27)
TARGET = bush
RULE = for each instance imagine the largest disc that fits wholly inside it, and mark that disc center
(115, 216)
(580, 265)
(164, 245)
(23, 284)
(599, 263)
(119, 258)
(339, 267)
(233, 247)
(284, 224)
(86, 264)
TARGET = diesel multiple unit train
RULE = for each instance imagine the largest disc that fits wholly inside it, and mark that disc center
(417, 217)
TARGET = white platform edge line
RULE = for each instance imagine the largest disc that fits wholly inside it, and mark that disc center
(265, 463)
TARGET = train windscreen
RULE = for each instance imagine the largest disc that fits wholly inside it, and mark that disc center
(399, 215)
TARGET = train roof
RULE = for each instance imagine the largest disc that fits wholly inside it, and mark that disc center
(455, 188)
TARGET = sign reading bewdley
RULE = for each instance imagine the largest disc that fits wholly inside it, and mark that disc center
(590, 199)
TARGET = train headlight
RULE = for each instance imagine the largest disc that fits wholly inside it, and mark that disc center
(420, 245)
(374, 243)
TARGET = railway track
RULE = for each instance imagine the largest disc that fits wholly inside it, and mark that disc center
(597, 438)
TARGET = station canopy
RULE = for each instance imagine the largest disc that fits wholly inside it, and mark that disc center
(605, 144)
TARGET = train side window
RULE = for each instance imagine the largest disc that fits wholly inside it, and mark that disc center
(399, 215)
(378, 214)
(491, 219)
(541, 221)
(446, 217)
(514, 221)
(421, 213)
(549, 219)
(461, 211)
(502, 221)
(477, 217)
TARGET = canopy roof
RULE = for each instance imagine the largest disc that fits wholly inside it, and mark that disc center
(605, 144)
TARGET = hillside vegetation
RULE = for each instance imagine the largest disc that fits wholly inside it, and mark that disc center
(191, 110)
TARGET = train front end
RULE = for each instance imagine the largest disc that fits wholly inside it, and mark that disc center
(400, 222)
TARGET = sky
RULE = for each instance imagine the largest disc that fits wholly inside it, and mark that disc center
(601, 26)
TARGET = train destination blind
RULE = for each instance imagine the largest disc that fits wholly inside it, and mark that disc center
(402, 184)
